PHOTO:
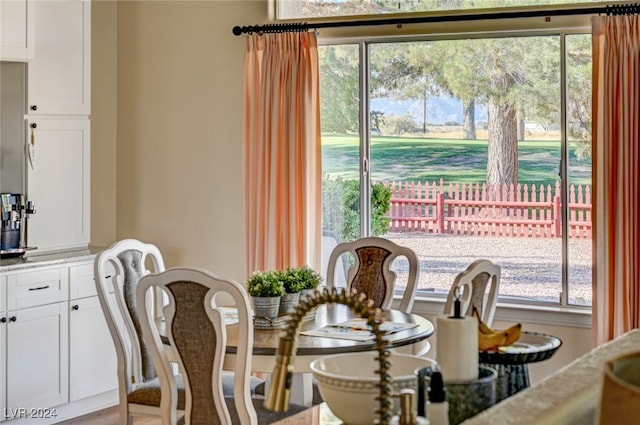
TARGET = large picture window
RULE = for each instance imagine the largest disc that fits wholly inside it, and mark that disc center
(465, 148)
(296, 9)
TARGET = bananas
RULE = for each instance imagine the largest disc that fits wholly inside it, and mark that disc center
(513, 334)
(491, 339)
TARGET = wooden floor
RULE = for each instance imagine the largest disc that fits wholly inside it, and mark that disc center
(110, 417)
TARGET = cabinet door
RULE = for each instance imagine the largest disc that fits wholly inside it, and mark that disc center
(16, 30)
(93, 367)
(37, 357)
(59, 74)
(59, 184)
(3, 345)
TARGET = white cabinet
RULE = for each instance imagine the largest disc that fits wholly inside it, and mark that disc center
(92, 357)
(37, 338)
(3, 344)
(56, 351)
(37, 287)
(16, 30)
(59, 76)
(58, 109)
(59, 184)
(37, 356)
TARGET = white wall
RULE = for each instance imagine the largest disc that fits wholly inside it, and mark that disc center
(104, 60)
(178, 150)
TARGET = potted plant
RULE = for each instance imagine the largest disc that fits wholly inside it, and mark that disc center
(265, 288)
(292, 287)
(308, 279)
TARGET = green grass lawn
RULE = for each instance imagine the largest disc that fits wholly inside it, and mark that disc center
(454, 160)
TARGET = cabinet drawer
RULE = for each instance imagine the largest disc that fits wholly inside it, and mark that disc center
(30, 289)
(81, 283)
(81, 280)
(3, 293)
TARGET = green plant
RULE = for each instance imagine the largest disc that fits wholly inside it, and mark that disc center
(291, 280)
(341, 208)
(300, 278)
(266, 284)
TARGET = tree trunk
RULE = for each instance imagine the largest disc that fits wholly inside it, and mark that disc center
(424, 111)
(521, 133)
(469, 124)
(502, 160)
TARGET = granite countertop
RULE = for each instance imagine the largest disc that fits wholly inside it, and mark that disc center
(567, 397)
(36, 259)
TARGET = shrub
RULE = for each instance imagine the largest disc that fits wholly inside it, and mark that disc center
(266, 284)
(341, 208)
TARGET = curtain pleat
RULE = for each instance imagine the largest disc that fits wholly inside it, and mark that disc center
(281, 142)
(616, 133)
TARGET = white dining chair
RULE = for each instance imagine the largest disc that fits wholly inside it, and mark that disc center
(477, 285)
(117, 272)
(197, 334)
(371, 270)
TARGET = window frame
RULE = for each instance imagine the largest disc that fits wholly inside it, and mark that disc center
(561, 313)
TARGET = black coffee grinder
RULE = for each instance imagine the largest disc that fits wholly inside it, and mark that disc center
(14, 212)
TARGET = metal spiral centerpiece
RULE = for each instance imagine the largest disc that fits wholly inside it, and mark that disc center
(278, 396)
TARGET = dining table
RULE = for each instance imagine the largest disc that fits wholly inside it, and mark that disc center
(409, 336)
(407, 333)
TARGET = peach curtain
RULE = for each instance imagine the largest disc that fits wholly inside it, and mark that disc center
(616, 159)
(282, 157)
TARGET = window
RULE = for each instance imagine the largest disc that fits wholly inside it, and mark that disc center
(472, 147)
(296, 9)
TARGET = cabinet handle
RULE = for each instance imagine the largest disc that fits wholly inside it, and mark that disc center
(34, 107)
(13, 318)
(34, 125)
(39, 288)
(75, 307)
(3, 320)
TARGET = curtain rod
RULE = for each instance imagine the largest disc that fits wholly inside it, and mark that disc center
(620, 9)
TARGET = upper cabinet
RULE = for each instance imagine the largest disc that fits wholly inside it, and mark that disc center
(58, 108)
(59, 77)
(16, 30)
(59, 184)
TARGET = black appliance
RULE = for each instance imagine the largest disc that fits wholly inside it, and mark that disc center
(14, 212)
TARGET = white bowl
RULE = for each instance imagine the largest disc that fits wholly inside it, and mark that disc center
(347, 382)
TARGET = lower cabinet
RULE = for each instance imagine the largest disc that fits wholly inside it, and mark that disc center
(3, 344)
(56, 351)
(92, 357)
(37, 357)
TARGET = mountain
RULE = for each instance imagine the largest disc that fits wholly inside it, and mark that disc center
(440, 110)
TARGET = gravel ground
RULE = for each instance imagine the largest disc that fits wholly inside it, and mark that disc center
(530, 267)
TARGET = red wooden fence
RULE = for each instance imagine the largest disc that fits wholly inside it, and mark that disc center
(488, 210)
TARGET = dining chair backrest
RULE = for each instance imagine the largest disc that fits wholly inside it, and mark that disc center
(371, 272)
(195, 328)
(478, 285)
(117, 271)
